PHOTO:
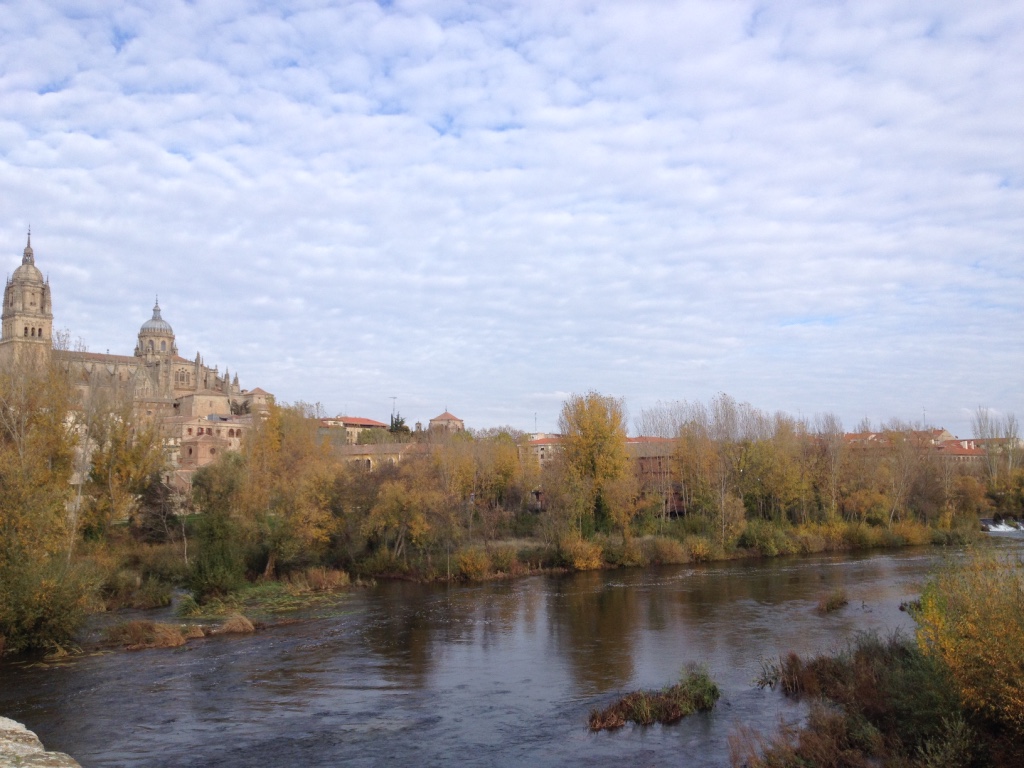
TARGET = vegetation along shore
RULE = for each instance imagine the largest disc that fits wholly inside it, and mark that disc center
(90, 522)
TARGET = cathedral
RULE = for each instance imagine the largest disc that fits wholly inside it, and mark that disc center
(202, 412)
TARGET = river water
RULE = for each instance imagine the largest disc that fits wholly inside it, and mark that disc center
(501, 674)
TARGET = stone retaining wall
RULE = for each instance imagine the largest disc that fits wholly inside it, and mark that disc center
(22, 748)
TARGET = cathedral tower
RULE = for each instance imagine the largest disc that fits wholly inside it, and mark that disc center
(27, 313)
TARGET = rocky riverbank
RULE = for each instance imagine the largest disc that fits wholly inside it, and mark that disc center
(20, 747)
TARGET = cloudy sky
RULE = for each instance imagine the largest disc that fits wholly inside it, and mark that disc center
(811, 205)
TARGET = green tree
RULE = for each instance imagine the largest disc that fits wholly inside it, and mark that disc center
(596, 463)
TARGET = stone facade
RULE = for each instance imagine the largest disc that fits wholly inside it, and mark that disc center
(201, 410)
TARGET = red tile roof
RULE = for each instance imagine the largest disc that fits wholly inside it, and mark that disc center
(446, 416)
(356, 421)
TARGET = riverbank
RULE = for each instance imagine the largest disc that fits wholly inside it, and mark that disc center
(20, 746)
(681, 543)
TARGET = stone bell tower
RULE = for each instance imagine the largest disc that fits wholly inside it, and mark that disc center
(27, 313)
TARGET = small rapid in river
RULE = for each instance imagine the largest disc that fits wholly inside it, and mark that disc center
(501, 673)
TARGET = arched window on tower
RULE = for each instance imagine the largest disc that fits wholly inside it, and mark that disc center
(26, 330)
(151, 346)
(163, 346)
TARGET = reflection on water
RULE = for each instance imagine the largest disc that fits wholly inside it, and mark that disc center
(494, 674)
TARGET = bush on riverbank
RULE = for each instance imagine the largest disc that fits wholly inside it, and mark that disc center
(953, 698)
(879, 700)
(695, 692)
(662, 550)
(43, 604)
(971, 619)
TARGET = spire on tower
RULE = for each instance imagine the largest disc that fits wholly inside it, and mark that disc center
(29, 256)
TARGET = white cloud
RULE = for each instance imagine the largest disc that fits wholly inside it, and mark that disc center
(812, 207)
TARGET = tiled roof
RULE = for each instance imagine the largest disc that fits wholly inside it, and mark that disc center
(357, 421)
(546, 441)
(446, 416)
(957, 448)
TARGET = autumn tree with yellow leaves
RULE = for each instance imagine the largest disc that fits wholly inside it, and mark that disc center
(597, 481)
(972, 619)
(42, 595)
(279, 498)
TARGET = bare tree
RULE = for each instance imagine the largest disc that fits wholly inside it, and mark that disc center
(828, 429)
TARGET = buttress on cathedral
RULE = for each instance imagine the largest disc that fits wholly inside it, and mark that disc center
(201, 411)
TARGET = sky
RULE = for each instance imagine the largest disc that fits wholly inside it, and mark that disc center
(811, 206)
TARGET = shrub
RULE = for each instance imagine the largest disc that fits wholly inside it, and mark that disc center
(861, 536)
(809, 543)
(153, 593)
(43, 604)
(910, 533)
(125, 588)
(219, 567)
(161, 561)
(580, 555)
(633, 554)
(695, 692)
(504, 559)
(316, 580)
(473, 563)
(699, 548)
(889, 705)
(138, 635)
(381, 562)
(540, 556)
(833, 601)
(188, 606)
(665, 551)
(766, 537)
(971, 618)
(834, 534)
(236, 625)
(617, 551)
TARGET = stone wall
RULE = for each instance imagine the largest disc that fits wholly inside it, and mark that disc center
(20, 747)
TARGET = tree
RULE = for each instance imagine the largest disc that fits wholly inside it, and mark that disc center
(42, 595)
(124, 451)
(596, 462)
(831, 441)
(410, 511)
(288, 486)
(398, 426)
(281, 494)
(986, 429)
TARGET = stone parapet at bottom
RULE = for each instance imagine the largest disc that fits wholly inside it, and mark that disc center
(20, 747)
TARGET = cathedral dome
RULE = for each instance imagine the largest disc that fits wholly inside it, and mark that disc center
(28, 271)
(156, 324)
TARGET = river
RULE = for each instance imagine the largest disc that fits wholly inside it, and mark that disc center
(501, 673)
